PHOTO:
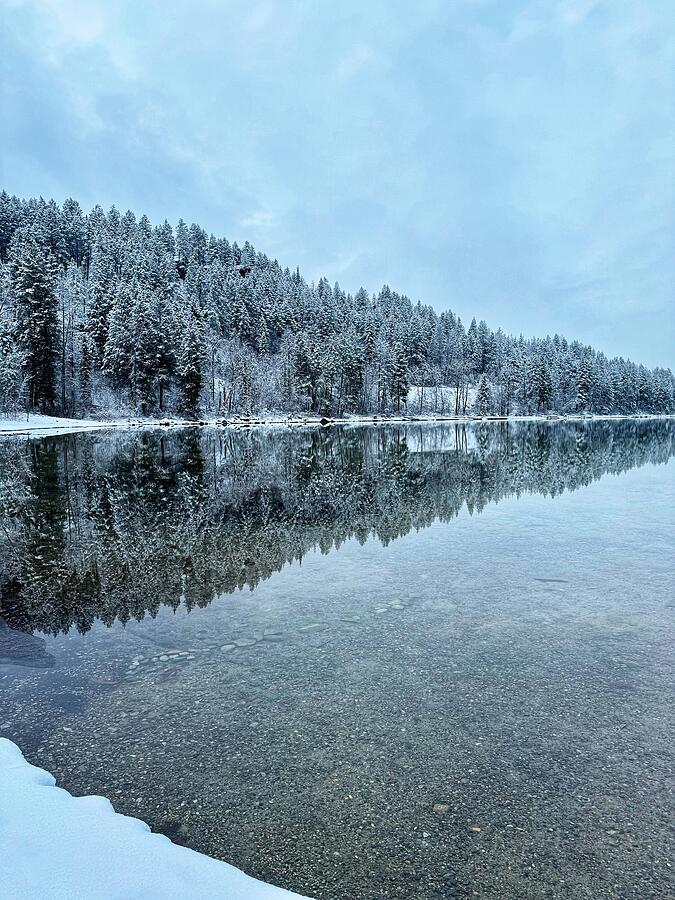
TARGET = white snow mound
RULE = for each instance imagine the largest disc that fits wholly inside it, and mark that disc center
(58, 847)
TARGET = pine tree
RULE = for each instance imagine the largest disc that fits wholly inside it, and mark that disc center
(85, 374)
(544, 383)
(399, 376)
(191, 362)
(11, 218)
(74, 232)
(484, 397)
(120, 347)
(584, 376)
(510, 377)
(32, 276)
(103, 287)
(11, 357)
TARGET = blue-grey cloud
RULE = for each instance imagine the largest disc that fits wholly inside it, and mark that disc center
(511, 159)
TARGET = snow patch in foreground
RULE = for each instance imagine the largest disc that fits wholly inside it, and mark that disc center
(58, 847)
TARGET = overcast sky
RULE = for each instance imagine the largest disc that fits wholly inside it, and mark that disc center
(508, 159)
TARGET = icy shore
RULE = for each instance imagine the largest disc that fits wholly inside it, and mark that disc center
(39, 424)
(58, 847)
(23, 424)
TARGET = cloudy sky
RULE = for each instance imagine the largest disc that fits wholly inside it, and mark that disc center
(508, 159)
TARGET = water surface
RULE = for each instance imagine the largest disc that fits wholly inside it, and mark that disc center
(410, 662)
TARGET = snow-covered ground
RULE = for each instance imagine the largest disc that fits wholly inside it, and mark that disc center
(22, 424)
(57, 847)
(443, 397)
(39, 425)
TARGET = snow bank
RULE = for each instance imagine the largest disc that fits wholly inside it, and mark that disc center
(58, 847)
(51, 424)
(44, 425)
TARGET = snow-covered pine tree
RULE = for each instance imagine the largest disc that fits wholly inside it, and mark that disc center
(484, 397)
(85, 373)
(191, 357)
(11, 358)
(33, 271)
(584, 378)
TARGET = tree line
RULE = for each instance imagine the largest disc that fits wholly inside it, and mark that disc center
(105, 313)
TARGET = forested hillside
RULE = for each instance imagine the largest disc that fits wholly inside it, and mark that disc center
(104, 313)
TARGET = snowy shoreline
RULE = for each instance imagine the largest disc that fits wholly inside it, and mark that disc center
(54, 425)
(56, 846)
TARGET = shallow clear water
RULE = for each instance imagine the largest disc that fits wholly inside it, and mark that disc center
(456, 669)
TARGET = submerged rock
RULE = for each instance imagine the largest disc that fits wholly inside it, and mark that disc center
(19, 648)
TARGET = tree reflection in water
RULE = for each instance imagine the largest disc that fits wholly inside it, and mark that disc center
(113, 526)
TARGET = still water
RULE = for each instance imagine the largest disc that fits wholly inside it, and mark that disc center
(422, 661)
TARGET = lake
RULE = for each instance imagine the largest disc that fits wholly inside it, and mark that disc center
(415, 661)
